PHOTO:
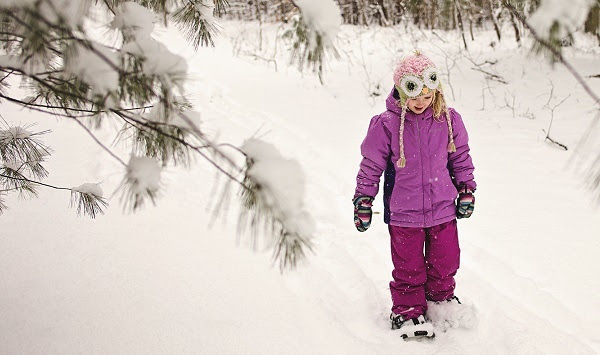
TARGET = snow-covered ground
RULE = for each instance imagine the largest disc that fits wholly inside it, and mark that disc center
(172, 279)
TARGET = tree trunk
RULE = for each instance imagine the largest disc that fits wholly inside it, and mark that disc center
(460, 23)
(471, 28)
(433, 14)
(494, 21)
(384, 12)
(516, 28)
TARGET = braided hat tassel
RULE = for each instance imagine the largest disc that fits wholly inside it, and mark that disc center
(451, 145)
(402, 161)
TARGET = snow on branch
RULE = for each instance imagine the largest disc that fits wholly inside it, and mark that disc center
(321, 16)
(559, 18)
(70, 12)
(141, 182)
(22, 149)
(133, 20)
(89, 199)
(96, 65)
(273, 192)
(313, 33)
(72, 75)
(156, 61)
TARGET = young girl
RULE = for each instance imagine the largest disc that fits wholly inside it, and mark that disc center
(422, 145)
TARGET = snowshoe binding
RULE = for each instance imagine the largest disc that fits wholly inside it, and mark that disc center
(413, 328)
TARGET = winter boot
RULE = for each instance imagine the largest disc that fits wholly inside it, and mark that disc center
(412, 328)
(453, 300)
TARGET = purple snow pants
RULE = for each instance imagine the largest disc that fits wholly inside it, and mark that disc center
(418, 277)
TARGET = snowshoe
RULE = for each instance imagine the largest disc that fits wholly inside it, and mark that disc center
(412, 328)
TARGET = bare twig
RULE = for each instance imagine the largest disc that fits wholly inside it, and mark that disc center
(553, 141)
(492, 76)
(256, 56)
(510, 103)
(552, 108)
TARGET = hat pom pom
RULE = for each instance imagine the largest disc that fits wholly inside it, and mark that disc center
(401, 162)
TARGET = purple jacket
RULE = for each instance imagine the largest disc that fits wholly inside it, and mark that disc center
(423, 193)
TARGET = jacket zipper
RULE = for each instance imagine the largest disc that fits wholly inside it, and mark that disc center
(422, 172)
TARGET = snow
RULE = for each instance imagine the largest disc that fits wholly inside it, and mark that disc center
(22, 3)
(322, 15)
(11, 61)
(89, 188)
(157, 114)
(145, 174)
(571, 15)
(70, 11)
(97, 67)
(14, 133)
(136, 23)
(158, 60)
(133, 20)
(447, 315)
(14, 62)
(206, 12)
(281, 184)
(163, 280)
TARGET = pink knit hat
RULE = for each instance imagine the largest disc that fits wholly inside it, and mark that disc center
(414, 76)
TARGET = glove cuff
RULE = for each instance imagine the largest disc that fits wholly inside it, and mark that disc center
(363, 201)
(464, 189)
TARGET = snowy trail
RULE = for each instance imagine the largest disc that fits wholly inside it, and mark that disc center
(362, 260)
(162, 281)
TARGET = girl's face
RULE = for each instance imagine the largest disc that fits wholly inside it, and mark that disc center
(419, 104)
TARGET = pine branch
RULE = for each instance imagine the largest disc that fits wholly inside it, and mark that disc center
(198, 29)
(19, 145)
(22, 178)
(14, 180)
(3, 205)
(88, 203)
(129, 118)
(221, 7)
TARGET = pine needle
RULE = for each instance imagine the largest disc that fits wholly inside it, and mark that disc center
(87, 203)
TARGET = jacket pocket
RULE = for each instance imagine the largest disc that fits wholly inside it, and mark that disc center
(444, 194)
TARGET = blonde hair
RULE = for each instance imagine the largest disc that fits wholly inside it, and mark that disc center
(438, 104)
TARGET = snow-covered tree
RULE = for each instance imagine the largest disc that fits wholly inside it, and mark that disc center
(137, 82)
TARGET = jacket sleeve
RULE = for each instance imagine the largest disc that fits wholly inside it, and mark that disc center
(375, 150)
(460, 163)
